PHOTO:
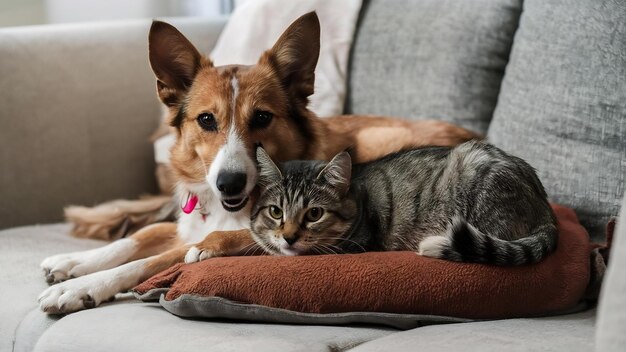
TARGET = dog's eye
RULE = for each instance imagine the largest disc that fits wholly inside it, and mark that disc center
(276, 212)
(207, 121)
(261, 119)
(314, 214)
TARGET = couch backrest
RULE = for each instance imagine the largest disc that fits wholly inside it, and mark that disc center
(78, 105)
(562, 105)
(441, 59)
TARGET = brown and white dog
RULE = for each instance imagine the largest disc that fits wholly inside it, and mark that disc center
(220, 114)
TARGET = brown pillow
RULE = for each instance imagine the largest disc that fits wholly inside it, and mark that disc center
(401, 289)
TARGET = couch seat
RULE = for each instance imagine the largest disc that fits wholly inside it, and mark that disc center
(127, 324)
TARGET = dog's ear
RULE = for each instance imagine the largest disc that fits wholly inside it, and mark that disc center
(268, 171)
(174, 60)
(295, 54)
(338, 172)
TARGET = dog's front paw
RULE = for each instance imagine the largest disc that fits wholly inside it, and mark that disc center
(61, 267)
(197, 253)
(74, 295)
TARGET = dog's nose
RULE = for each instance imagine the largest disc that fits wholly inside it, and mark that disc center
(231, 183)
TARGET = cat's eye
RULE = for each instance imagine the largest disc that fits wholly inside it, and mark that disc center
(275, 212)
(261, 119)
(207, 121)
(314, 214)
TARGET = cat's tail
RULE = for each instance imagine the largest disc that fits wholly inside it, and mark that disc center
(465, 243)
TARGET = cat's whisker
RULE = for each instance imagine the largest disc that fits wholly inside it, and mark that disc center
(314, 249)
(338, 249)
(328, 248)
(251, 247)
(267, 248)
(343, 240)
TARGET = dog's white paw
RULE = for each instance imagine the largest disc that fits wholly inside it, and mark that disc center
(433, 246)
(195, 254)
(61, 267)
(57, 267)
(91, 290)
(77, 294)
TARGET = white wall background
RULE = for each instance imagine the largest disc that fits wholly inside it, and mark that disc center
(22, 12)
(28, 12)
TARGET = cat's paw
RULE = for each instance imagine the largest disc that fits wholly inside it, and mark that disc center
(433, 246)
(77, 294)
(197, 254)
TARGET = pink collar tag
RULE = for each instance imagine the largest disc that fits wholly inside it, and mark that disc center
(192, 200)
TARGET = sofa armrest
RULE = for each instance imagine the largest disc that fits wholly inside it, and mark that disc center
(78, 105)
(612, 310)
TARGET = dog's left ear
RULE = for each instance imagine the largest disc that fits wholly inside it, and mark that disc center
(174, 60)
(295, 54)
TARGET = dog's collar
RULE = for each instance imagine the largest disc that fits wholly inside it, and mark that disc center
(190, 204)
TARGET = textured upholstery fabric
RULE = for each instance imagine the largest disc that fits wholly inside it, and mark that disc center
(34, 324)
(612, 311)
(441, 59)
(78, 105)
(562, 105)
(21, 251)
(567, 333)
(146, 327)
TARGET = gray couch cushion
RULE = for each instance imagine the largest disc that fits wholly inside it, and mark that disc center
(562, 105)
(568, 333)
(22, 249)
(440, 59)
(147, 327)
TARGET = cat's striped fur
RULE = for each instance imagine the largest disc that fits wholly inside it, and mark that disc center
(471, 203)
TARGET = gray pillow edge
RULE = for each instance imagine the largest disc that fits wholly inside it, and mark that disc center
(150, 295)
(192, 306)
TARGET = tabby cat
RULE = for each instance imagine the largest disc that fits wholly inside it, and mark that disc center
(471, 203)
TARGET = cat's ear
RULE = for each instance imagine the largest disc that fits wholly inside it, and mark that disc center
(268, 171)
(338, 172)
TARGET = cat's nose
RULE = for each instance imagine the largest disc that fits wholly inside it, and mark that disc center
(291, 240)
